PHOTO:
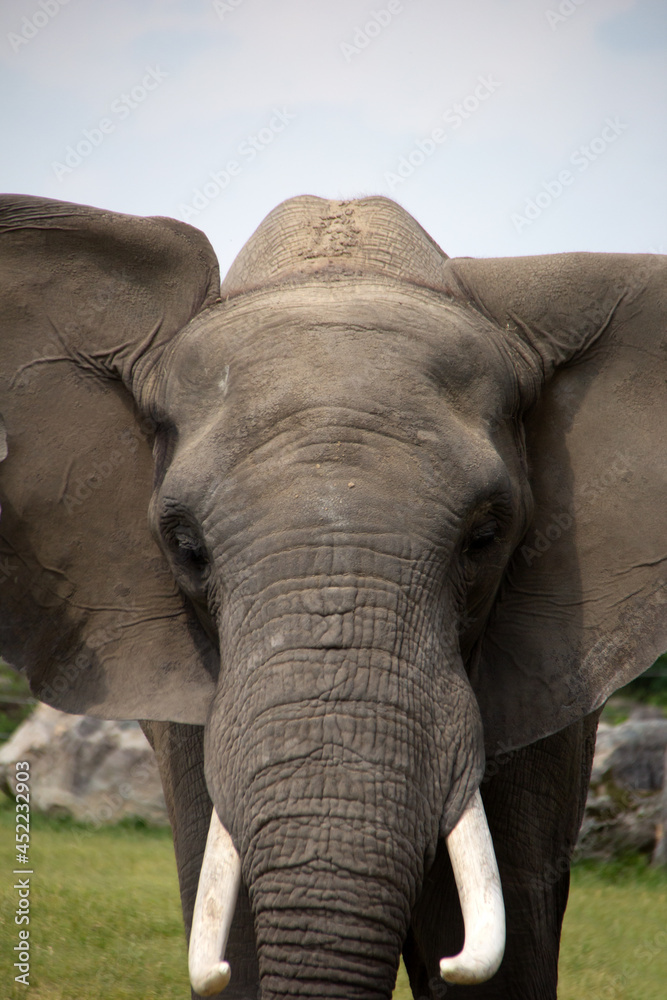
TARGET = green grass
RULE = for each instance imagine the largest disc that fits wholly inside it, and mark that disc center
(614, 942)
(106, 923)
(16, 703)
(105, 916)
(651, 686)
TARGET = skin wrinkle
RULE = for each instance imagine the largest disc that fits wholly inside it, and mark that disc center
(332, 807)
(423, 728)
(364, 441)
(303, 870)
(39, 361)
(256, 564)
(312, 413)
(97, 607)
(646, 562)
(283, 600)
(281, 653)
(276, 704)
(375, 325)
(294, 840)
(590, 344)
(65, 482)
(337, 902)
(273, 591)
(303, 756)
(327, 477)
(257, 597)
(327, 902)
(281, 658)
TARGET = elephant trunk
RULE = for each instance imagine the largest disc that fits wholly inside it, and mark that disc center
(329, 924)
(332, 848)
(344, 740)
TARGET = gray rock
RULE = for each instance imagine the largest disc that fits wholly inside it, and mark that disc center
(660, 850)
(632, 754)
(613, 827)
(641, 712)
(89, 769)
(625, 800)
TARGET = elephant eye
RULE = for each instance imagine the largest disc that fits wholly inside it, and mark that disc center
(185, 543)
(184, 539)
(189, 548)
(482, 536)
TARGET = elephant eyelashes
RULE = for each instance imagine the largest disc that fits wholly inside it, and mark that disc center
(482, 537)
(186, 543)
(190, 549)
(186, 546)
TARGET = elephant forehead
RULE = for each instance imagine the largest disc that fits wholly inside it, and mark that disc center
(388, 347)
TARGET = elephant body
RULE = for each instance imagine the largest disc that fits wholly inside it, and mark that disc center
(358, 534)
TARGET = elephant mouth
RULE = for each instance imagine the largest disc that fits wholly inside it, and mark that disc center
(478, 882)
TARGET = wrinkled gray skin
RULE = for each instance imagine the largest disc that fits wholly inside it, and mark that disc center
(350, 450)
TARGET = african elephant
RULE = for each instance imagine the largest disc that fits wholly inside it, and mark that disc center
(360, 533)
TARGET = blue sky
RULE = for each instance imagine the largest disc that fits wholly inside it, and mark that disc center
(505, 127)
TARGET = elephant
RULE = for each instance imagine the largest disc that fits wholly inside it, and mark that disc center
(365, 536)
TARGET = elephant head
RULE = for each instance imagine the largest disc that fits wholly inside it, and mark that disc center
(359, 513)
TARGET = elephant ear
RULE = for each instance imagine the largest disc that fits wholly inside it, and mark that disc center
(88, 607)
(583, 606)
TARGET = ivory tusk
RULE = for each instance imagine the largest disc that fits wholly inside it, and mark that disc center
(478, 882)
(214, 910)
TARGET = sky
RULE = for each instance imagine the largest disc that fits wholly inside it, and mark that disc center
(506, 127)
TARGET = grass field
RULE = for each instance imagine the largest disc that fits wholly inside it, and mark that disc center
(105, 921)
